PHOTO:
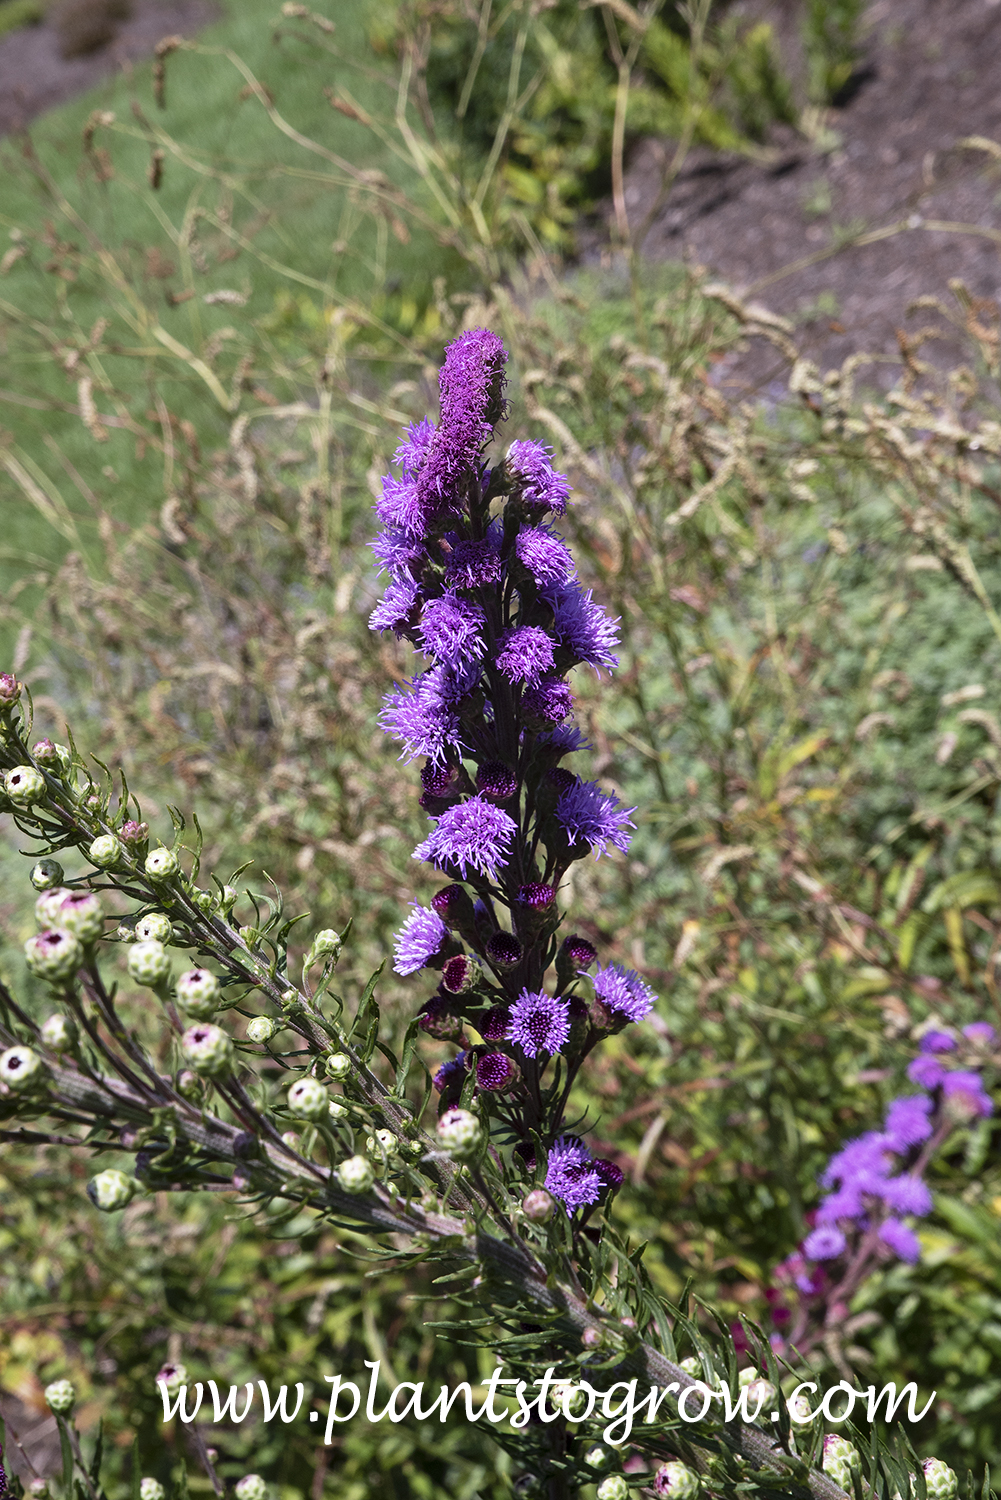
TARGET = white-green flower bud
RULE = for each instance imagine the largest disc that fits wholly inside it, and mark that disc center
(762, 1397)
(613, 1488)
(207, 1048)
(382, 1144)
(190, 1086)
(60, 1396)
(569, 1398)
(692, 1366)
(111, 1189)
(251, 1487)
(172, 1376)
(106, 852)
(78, 912)
(940, 1481)
(198, 992)
(46, 874)
(149, 963)
(59, 1033)
(336, 1111)
(24, 785)
(356, 1175)
(307, 1098)
(677, 1480)
(840, 1460)
(801, 1414)
(154, 927)
(599, 1458)
(250, 937)
(460, 1133)
(38, 1488)
(162, 864)
(261, 1029)
(337, 1065)
(20, 1069)
(746, 1376)
(292, 1141)
(55, 758)
(151, 1489)
(538, 1206)
(47, 905)
(204, 900)
(326, 945)
(54, 955)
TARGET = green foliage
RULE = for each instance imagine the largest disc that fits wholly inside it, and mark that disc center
(831, 39)
(15, 13)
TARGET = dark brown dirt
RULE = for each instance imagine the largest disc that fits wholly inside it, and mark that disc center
(34, 77)
(930, 76)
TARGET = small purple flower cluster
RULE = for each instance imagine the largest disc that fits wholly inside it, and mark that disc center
(483, 585)
(577, 1178)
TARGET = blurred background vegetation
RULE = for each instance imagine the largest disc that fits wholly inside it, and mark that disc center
(226, 284)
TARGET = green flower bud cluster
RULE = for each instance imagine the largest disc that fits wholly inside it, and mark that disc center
(261, 1029)
(47, 873)
(325, 946)
(111, 1190)
(106, 853)
(60, 1396)
(198, 992)
(308, 1099)
(59, 1033)
(460, 1134)
(251, 1487)
(356, 1175)
(149, 964)
(677, 1480)
(840, 1460)
(154, 927)
(207, 1049)
(54, 955)
(151, 1489)
(613, 1488)
(25, 785)
(162, 864)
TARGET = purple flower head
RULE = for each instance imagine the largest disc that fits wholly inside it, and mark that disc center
(539, 1023)
(579, 952)
(847, 1203)
(473, 564)
(907, 1122)
(397, 552)
(496, 1072)
(496, 781)
(400, 507)
(563, 740)
(471, 387)
(864, 1155)
(542, 487)
(548, 701)
(451, 1072)
(980, 1033)
(536, 896)
(526, 654)
(473, 834)
(424, 718)
(595, 817)
(824, 1243)
(418, 940)
(571, 1174)
(413, 450)
(583, 626)
(965, 1094)
(611, 1175)
(901, 1240)
(937, 1041)
(545, 555)
(926, 1071)
(450, 630)
(505, 952)
(624, 991)
(906, 1194)
(396, 609)
(493, 1026)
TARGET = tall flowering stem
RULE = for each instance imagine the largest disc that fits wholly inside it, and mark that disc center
(480, 582)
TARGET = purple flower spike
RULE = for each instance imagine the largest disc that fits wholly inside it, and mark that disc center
(473, 834)
(471, 386)
(571, 1175)
(539, 1023)
(901, 1240)
(546, 556)
(907, 1122)
(624, 991)
(594, 817)
(450, 630)
(418, 940)
(526, 654)
(549, 700)
(966, 1095)
(542, 487)
(496, 1072)
(926, 1071)
(936, 1041)
(826, 1243)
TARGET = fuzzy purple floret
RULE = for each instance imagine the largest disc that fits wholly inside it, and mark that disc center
(539, 1023)
(936, 1041)
(413, 450)
(474, 564)
(901, 1240)
(418, 940)
(472, 835)
(396, 607)
(450, 630)
(595, 817)
(525, 654)
(541, 486)
(550, 700)
(967, 1090)
(396, 552)
(563, 740)
(546, 556)
(583, 627)
(423, 717)
(906, 1194)
(926, 1071)
(907, 1122)
(981, 1033)
(624, 991)
(825, 1243)
(571, 1175)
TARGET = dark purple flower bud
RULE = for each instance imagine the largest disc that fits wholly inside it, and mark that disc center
(134, 835)
(493, 1026)
(580, 954)
(496, 781)
(526, 1150)
(451, 1072)
(547, 702)
(504, 951)
(536, 896)
(442, 781)
(10, 689)
(611, 1175)
(495, 1072)
(454, 905)
(245, 1145)
(439, 1020)
(560, 779)
(461, 974)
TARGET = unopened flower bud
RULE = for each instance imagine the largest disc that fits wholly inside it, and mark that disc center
(149, 963)
(261, 1029)
(592, 1338)
(536, 897)
(162, 864)
(940, 1481)
(173, 1376)
(198, 991)
(461, 974)
(324, 947)
(207, 1048)
(38, 1488)
(840, 1460)
(78, 912)
(111, 1190)
(10, 689)
(337, 1112)
(20, 1069)
(53, 955)
(204, 900)
(460, 1134)
(538, 1206)
(190, 1086)
(60, 1396)
(496, 781)
(59, 1033)
(151, 1489)
(504, 951)
(382, 1144)
(356, 1174)
(47, 905)
(337, 1065)
(251, 1487)
(24, 785)
(496, 1072)
(599, 1458)
(106, 852)
(762, 1397)
(454, 905)
(307, 1098)
(46, 874)
(134, 836)
(577, 953)
(677, 1481)
(250, 937)
(292, 1141)
(154, 927)
(614, 1487)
